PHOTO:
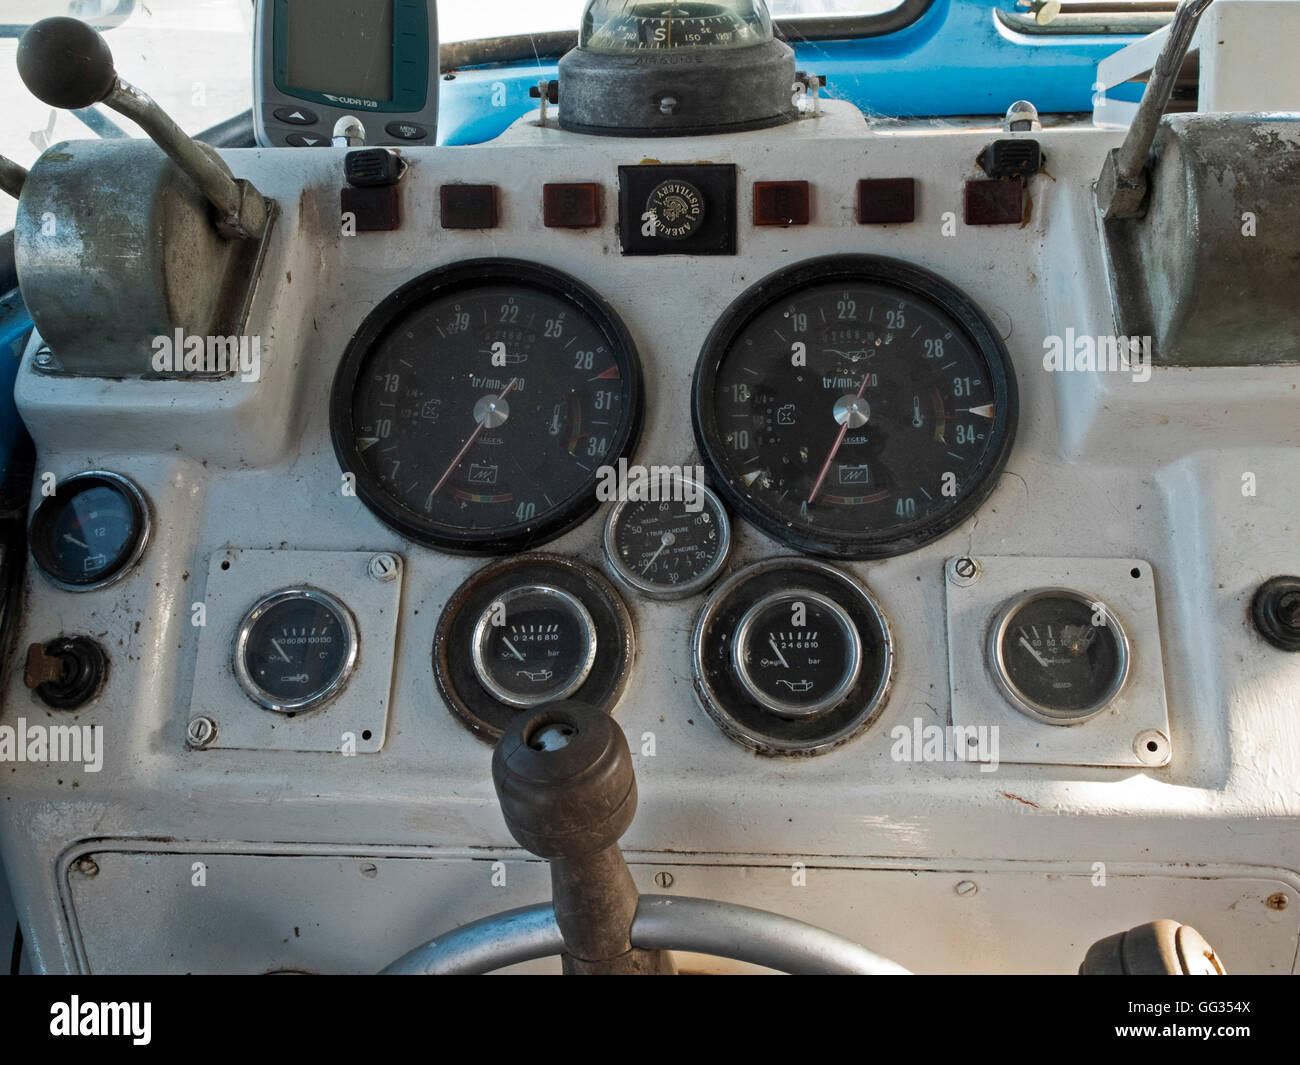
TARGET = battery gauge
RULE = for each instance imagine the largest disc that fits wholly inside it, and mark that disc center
(1059, 656)
(669, 549)
(90, 532)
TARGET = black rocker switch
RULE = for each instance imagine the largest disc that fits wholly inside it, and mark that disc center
(371, 201)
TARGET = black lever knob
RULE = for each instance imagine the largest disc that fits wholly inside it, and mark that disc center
(65, 63)
(565, 780)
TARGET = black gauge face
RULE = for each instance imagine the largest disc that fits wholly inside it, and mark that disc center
(90, 531)
(295, 649)
(535, 644)
(797, 652)
(669, 549)
(854, 406)
(477, 404)
(1060, 655)
(619, 26)
(526, 631)
(792, 657)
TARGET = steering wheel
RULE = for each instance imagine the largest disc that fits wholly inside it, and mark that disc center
(567, 788)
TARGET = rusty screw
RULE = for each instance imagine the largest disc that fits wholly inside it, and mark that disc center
(369, 870)
(86, 867)
(1277, 901)
(663, 879)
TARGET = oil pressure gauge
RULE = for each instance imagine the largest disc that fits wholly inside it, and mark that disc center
(535, 643)
(669, 549)
(295, 649)
(792, 657)
(528, 631)
(1058, 655)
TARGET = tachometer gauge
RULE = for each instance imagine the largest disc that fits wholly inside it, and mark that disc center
(534, 644)
(669, 549)
(617, 26)
(1059, 656)
(295, 649)
(90, 532)
(854, 406)
(476, 405)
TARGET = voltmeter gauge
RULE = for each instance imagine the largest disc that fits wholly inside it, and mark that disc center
(1058, 655)
(669, 549)
(536, 643)
(531, 630)
(792, 657)
(295, 649)
(90, 532)
(797, 652)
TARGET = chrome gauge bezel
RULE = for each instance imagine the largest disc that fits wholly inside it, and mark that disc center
(848, 629)
(483, 632)
(652, 589)
(1031, 707)
(139, 505)
(760, 727)
(259, 695)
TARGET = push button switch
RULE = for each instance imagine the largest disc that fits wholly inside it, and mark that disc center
(994, 203)
(295, 116)
(468, 206)
(885, 201)
(571, 206)
(781, 203)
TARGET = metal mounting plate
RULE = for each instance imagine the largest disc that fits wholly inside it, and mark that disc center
(1111, 738)
(237, 579)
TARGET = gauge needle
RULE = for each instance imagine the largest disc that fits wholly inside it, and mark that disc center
(482, 424)
(1037, 657)
(513, 650)
(835, 450)
(276, 645)
(667, 540)
(73, 540)
(779, 655)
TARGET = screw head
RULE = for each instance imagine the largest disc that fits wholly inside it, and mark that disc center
(44, 358)
(1277, 901)
(86, 867)
(963, 571)
(201, 731)
(966, 888)
(663, 879)
(369, 870)
(384, 567)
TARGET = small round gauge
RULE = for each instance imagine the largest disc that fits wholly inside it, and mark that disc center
(90, 532)
(295, 649)
(476, 405)
(854, 406)
(669, 549)
(792, 657)
(526, 631)
(1060, 656)
(533, 645)
(619, 26)
(797, 652)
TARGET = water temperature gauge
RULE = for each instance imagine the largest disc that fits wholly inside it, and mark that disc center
(1060, 656)
(669, 549)
(531, 630)
(295, 649)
